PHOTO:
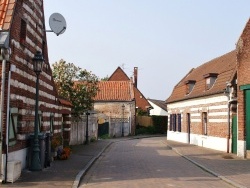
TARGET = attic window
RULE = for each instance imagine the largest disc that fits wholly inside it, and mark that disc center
(189, 86)
(210, 79)
(23, 31)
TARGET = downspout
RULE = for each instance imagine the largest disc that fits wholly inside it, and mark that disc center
(228, 126)
(5, 55)
(12, 68)
(229, 93)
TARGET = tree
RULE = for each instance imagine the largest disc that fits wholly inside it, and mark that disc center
(75, 84)
(105, 78)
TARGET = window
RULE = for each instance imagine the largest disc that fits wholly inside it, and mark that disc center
(51, 123)
(13, 121)
(210, 80)
(171, 122)
(204, 123)
(23, 32)
(174, 122)
(179, 122)
(190, 86)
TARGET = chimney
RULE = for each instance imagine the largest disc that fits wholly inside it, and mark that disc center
(135, 76)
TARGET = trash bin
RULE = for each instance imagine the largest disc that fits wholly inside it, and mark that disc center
(47, 150)
(42, 147)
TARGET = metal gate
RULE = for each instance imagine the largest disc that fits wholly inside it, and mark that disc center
(103, 129)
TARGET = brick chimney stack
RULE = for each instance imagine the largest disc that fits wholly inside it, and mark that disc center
(135, 76)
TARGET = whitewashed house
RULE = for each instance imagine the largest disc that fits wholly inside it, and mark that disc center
(201, 106)
(158, 108)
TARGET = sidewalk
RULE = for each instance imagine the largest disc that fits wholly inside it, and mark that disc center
(228, 167)
(67, 173)
(63, 173)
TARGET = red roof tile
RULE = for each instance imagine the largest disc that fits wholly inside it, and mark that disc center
(141, 101)
(115, 91)
(6, 12)
(224, 66)
(65, 102)
(118, 75)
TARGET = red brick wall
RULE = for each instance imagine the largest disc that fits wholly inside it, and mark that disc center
(23, 80)
(243, 71)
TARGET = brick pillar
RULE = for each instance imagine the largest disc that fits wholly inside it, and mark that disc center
(243, 72)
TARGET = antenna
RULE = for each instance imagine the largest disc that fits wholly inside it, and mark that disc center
(57, 24)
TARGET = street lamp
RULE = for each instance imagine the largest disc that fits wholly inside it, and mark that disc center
(123, 107)
(37, 67)
(87, 128)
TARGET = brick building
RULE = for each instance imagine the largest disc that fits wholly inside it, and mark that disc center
(210, 106)
(243, 80)
(22, 32)
(198, 105)
(141, 102)
(115, 104)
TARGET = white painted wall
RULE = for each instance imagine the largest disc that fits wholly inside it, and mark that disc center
(209, 104)
(157, 111)
(211, 142)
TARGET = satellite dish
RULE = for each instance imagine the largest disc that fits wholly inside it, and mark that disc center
(57, 23)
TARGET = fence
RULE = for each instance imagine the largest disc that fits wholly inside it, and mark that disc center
(78, 129)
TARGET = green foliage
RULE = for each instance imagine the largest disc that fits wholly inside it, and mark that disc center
(92, 139)
(160, 123)
(146, 130)
(141, 112)
(159, 126)
(75, 84)
(106, 136)
(105, 78)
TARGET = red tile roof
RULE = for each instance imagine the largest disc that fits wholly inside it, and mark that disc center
(224, 66)
(6, 12)
(115, 91)
(141, 101)
(65, 102)
(118, 75)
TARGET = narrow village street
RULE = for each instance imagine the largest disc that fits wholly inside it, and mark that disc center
(146, 163)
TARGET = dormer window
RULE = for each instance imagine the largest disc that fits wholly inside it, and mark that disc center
(189, 86)
(210, 79)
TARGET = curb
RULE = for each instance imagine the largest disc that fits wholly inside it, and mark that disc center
(87, 167)
(206, 169)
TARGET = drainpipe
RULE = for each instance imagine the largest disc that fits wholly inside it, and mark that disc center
(230, 101)
(228, 127)
(228, 114)
(12, 68)
(5, 54)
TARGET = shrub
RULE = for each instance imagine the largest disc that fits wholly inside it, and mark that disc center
(105, 136)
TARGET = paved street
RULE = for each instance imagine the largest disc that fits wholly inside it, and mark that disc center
(146, 163)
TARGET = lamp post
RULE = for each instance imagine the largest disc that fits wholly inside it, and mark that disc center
(37, 66)
(123, 107)
(87, 128)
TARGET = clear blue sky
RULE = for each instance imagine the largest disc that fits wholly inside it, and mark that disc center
(163, 38)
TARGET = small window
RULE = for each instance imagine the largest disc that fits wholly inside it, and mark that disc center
(13, 121)
(179, 122)
(51, 123)
(190, 86)
(23, 32)
(174, 122)
(171, 122)
(204, 123)
(210, 80)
